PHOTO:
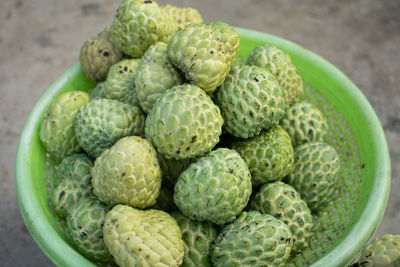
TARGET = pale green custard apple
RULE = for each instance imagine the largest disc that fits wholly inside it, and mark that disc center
(128, 173)
(204, 53)
(215, 188)
(97, 92)
(184, 123)
(251, 100)
(269, 155)
(284, 203)
(253, 239)
(304, 123)
(165, 200)
(143, 237)
(138, 24)
(382, 251)
(279, 64)
(315, 173)
(182, 15)
(172, 168)
(85, 225)
(198, 238)
(98, 54)
(155, 74)
(120, 82)
(102, 122)
(57, 128)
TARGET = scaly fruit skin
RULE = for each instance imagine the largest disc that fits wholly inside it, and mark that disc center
(128, 173)
(102, 122)
(85, 225)
(143, 237)
(120, 82)
(57, 129)
(72, 184)
(98, 54)
(382, 251)
(314, 174)
(250, 100)
(98, 91)
(253, 239)
(138, 24)
(279, 64)
(304, 123)
(269, 155)
(172, 168)
(197, 237)
(184, 123)
(155, 74)
(215, 188)
(183, 16)
(284, 203)
(204, 52)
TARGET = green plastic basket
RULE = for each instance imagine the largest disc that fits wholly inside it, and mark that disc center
(341, 229)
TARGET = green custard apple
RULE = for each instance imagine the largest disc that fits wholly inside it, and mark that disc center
(57, 128)
(155, 74)
(315, 173)
(102, 122)
(304, 123)
(128, 173)
(184, 123)
(198, 238)
(279, 64)
(98, 54)
(204, 53)
(284, 203)
(97, 92)
(250, 100)
(215, 188)
(182, 15)
(382, 251)
(143, 237)
(253, 239)
(85, 225)
(269, 155)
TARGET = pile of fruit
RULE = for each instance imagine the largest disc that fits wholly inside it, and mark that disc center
(182, 154)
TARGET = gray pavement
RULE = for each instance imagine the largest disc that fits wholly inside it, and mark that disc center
(40, 39)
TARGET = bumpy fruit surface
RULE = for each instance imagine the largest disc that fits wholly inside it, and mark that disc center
(120, 82)
(197, 237)
(172, 168)
(382, 251)
(98, 91)
(57, 129)
(279, 64)
(284, 203)
(250, 100)
(253, 239)
(304, 123)
(215, 188)
(143, 237)
(85, 225)
(204, 53)
(182, 16)
(139, 24)
(128, 173)
(155, 74)
(184, 123)
(269, 155)
(315, 172)
(98, 54)
(102, 122)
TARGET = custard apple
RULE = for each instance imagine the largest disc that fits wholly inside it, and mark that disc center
(382, 251)
(128, 173)
(253, 239)
(250, 100)
(143, 237)
(269, 155)
(182, 15)
(204, 53)
(184, 123)
(284, 203)
(215, 188)
(155, 74)
(97, 92)
(279, 64)
(102, 122)
(57, 128)
(315, 172)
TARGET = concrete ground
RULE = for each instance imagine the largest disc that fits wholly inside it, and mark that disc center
(40, 39)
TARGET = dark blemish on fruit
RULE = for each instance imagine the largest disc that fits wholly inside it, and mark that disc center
(255, 79)
(311, 132)
(106, 54)
(362, 166)
(230, 170)
(251, 114)
(193, 138)
(79, 227)
(83, 234)
(61, 194)
(148, 2)
(288, 240)
(282, 238)
(126, 68)
(187, 148)
(178, 151)
(121, 71)
(211, 52)
(123, 174)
